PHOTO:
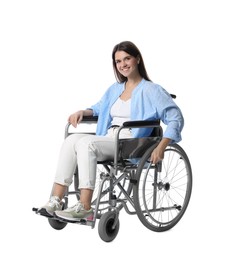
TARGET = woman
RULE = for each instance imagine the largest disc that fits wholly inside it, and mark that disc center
(133, 97)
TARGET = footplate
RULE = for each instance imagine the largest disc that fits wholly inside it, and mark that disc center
(42, 212)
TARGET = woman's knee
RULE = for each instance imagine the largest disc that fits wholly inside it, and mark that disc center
(72, 140)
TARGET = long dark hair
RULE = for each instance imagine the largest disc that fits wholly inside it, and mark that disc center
(132, 50)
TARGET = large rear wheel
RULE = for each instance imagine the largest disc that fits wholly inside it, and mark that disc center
(162, 192)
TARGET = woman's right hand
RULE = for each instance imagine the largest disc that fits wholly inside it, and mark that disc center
(76, 118)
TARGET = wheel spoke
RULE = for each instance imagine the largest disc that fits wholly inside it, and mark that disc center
(161, 201)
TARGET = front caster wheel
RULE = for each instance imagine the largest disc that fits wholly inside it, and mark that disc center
(56, 224)
(107, 230)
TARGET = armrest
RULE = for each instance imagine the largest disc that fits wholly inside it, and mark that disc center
(90, 119)
(141, 123)
(86, 119)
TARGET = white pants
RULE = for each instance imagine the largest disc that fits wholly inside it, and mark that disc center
(83, 151)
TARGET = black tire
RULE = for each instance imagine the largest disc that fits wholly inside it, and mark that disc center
(106, 231)
(56, 224)
(161, 196)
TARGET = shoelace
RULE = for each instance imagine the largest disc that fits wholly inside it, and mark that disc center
(76, 207)
(53, 202)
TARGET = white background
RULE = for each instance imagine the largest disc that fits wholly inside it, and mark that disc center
(55, 58)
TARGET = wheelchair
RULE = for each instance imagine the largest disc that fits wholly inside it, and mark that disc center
(158, 194)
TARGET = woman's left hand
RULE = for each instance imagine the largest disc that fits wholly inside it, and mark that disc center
(158, 153)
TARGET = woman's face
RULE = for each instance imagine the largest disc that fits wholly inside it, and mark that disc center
(126, 64)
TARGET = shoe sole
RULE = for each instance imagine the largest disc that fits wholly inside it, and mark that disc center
(74, 220)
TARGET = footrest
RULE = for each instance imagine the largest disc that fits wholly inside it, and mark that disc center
(42, 212)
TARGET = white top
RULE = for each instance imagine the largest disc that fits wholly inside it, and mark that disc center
(120, 111)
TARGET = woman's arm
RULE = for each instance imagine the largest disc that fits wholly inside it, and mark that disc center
(76, 118)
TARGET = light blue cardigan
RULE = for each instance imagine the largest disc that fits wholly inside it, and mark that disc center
(149, 101)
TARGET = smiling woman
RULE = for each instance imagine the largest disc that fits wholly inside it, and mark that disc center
(147, 101)
(127, 59)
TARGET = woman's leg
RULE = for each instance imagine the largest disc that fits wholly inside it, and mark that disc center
(84, 150)
(59, 190)
(91, 149)
(66, 165)
(64, 174)
(85, 198)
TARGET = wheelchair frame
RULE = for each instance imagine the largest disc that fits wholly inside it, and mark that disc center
(157, 201)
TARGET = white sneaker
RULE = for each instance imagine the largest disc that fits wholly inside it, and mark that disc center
(74, 213)
(51, 206)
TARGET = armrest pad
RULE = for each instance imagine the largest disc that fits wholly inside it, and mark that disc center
(141, 123)
(89, 119)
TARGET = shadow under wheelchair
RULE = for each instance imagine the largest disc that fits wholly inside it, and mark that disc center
(157, 193)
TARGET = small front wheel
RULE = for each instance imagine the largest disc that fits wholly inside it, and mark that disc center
(107, 230)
